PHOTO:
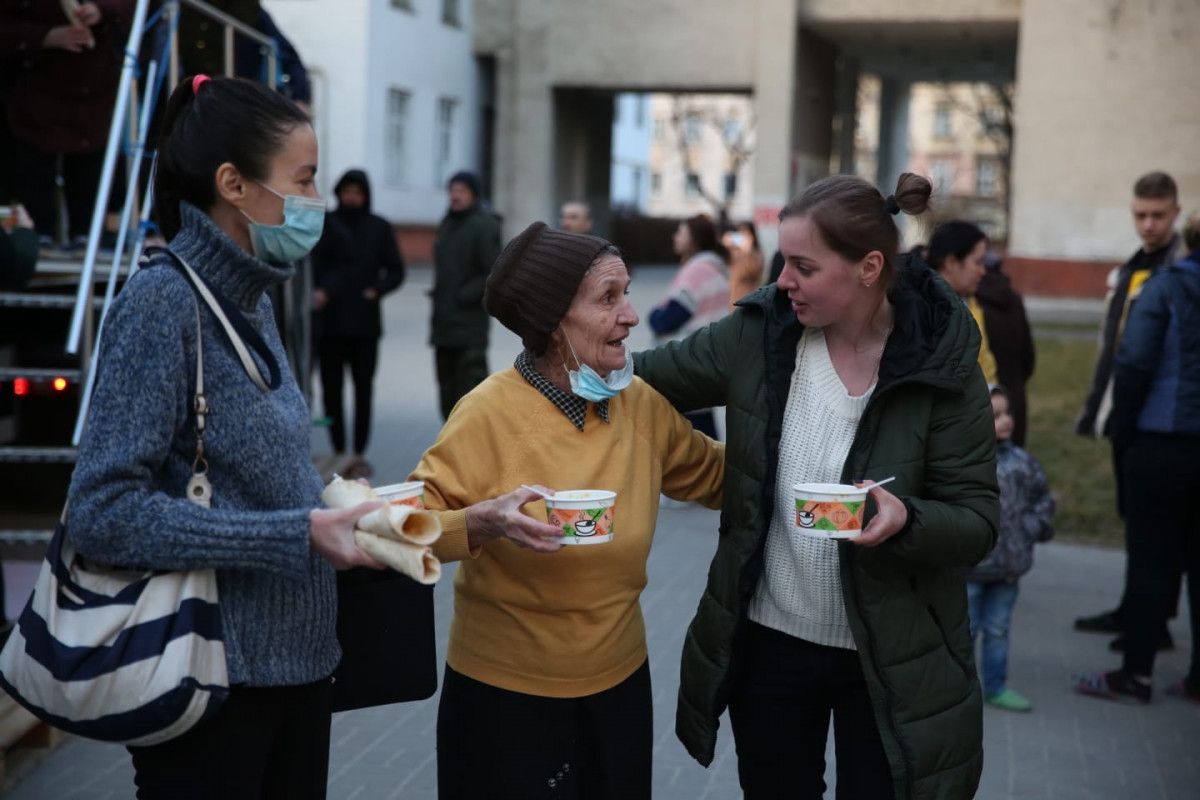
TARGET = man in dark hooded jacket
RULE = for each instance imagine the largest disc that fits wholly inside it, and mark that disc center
(356, 263)
(1010, 338)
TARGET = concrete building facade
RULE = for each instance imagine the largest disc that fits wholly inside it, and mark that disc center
(396, 92)
(1102, 94)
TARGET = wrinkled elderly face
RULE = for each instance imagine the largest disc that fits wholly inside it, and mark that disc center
(599, 319)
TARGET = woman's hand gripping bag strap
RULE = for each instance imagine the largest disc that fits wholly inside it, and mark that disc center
(134, 657)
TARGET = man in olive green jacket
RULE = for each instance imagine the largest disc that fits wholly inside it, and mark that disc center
(929, 423)
(468, 242)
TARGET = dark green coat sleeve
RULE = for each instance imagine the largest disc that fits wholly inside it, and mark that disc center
(485, 248)
(695, 372)
(955, 519)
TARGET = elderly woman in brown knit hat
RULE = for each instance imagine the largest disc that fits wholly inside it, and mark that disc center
(547, 685)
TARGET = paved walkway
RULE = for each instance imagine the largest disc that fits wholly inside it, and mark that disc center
(1070, 747)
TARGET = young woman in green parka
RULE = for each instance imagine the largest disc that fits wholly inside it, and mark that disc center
(854, 367)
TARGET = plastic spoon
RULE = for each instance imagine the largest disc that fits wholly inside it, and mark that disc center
(546, 495)
(875, 483)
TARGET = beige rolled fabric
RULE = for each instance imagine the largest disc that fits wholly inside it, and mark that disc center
(416, 562)
(405, 523)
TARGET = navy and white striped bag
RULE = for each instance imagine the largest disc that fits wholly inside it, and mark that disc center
(129, 656)
(121, 656)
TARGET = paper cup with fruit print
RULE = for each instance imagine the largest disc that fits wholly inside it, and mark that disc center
(830, 510)
(403, 494)
(585, 516)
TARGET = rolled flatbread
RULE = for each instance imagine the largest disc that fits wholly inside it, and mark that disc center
(341, 493)
(403, 523)
(416, 562)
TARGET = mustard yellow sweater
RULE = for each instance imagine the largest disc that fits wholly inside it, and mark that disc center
(563, 624)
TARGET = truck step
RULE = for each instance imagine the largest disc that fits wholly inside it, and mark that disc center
(35, 455)
(31, 300)
(39, 373)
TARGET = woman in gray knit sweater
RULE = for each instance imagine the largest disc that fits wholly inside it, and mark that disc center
(236, 165)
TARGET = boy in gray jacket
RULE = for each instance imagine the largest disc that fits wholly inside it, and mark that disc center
(1026, 517)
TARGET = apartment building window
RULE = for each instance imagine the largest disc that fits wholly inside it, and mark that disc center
(985, 177)
(941, 121)
(637, 184)
(941, 171)
(450, 13)
(691, 185)
(691, 129)
(444, 139)
(660, 130)
(395, 172)
(655, 183)
(403, 5)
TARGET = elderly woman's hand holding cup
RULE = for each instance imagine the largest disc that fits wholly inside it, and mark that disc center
(501, 518)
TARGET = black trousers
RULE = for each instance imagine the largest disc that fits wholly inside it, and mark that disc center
(33, 177)
(262, 743)
(459, 370)
(783, 695)
(505, 745)
(1123, 606)
(361, 354)
(1162, 480)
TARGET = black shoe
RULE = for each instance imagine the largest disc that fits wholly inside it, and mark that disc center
(1117, 685)
(1108, 622)
(1165, 642)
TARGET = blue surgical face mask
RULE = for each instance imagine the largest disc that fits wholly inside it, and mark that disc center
(586, 383)
(303, 221)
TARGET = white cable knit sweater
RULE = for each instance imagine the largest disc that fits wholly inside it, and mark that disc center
(800, 591)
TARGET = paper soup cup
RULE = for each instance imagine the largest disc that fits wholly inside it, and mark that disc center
(403, 494)
(830, 510)
(584, 515)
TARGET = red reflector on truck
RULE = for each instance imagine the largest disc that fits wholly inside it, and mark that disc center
(20, 386)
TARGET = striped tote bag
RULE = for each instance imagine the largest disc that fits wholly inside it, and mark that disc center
(135, 657)
(129, 657)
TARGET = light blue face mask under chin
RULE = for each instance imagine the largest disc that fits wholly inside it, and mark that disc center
(303, 222)
(586, 383)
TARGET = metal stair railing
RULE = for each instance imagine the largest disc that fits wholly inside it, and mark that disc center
(83, 338)
(80, 337)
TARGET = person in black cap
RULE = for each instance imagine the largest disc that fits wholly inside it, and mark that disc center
(468, 241)
(547, 685)
(350, 281)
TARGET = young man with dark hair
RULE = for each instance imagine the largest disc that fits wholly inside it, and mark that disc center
(1155, 208)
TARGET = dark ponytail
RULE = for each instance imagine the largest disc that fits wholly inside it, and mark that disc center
(854, 218)
(220, 120)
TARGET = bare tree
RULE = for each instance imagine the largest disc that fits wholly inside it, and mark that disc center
(690, 115)
(992, 106)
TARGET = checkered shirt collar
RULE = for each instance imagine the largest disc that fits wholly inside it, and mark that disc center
(573, 406)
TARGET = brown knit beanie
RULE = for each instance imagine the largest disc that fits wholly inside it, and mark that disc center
(535, 278)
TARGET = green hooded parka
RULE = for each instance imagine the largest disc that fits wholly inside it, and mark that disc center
(929, 423)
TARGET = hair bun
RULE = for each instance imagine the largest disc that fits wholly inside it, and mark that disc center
(890, 205)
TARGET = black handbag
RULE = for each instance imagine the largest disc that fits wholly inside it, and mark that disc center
(385, 628)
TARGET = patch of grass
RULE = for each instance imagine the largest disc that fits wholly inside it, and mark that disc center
(1079, 469)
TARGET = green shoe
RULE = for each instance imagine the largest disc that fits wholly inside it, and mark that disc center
(1009, 700)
